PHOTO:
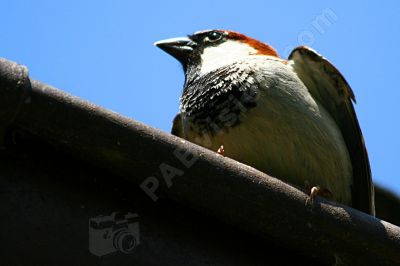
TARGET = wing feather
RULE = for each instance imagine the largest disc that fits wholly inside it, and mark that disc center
(327, 85)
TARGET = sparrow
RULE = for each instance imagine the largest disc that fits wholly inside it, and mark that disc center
(292, 119)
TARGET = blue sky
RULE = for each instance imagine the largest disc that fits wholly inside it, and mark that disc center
(102, 51)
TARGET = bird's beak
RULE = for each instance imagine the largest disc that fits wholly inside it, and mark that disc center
(180, 48)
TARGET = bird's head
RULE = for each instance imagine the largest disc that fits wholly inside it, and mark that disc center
(211, 49)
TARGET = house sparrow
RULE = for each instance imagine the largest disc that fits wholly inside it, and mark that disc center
(292, 119)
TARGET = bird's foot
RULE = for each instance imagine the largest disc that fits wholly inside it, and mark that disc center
(318, 191)
(221, 150)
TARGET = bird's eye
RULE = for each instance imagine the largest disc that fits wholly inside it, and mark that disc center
(213, 36)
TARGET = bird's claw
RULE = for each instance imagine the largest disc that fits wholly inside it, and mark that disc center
(221, 150)
(318, 191)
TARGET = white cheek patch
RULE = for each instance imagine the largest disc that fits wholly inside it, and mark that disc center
(224, 54)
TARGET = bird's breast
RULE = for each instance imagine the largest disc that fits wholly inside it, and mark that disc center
(265, 117)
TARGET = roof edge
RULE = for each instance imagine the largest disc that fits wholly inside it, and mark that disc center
(165, 165)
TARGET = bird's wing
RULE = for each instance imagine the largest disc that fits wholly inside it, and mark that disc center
(177, 129)
(330, 89)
